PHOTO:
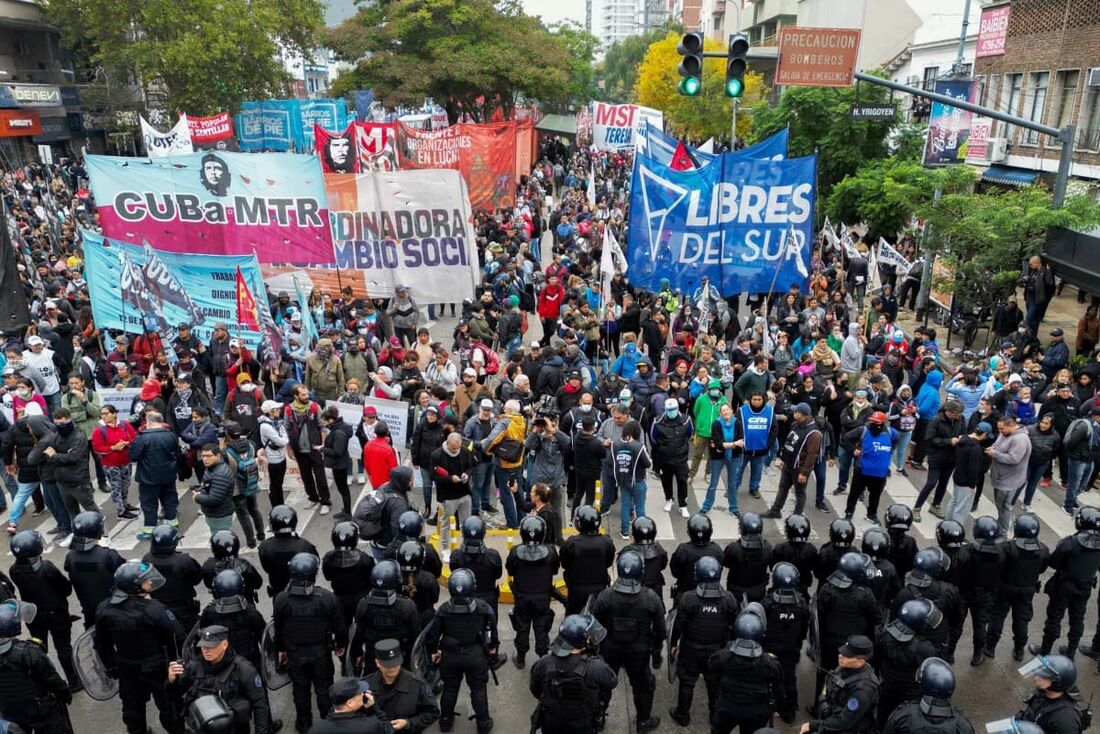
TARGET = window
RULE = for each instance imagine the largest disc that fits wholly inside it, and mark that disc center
(989, 94)
(1067, 97)
(1010, 101)
(1088, 137)
(983, 85)
(1039, 82)
(930, 74)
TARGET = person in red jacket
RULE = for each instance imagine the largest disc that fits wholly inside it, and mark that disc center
(146, 347)
(551, 298)
(379, 456)
(111, 440)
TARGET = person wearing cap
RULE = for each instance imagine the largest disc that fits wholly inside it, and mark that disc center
(476, 428)
(872, 445)
(147, 345)
(850, 699)
(1008, 471)
(219, 671)
(400, 696)
(125, 376)
(324, 374)
(242, 405)
(41, 359)
(219, 360)
(969, 467)
(797, 457)
(1056, 354)
(187, 396)
(353, 710)
(468, 394)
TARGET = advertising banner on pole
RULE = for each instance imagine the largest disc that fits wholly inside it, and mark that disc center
(617, 126)
(977, 145)
(485, 155)
(271, 205)
(992, 31)
(949, 127)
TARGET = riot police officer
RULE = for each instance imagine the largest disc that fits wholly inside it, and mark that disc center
(644, 532)
(42, 584)
(850, 699)
(983, 562)
(384, 614)
(901, 650)
(933, 713)
(787, 615)
(748, 559)
(462, 638)
(418, 584)
(698, 545)
(1026, 557)
(572, 683)
(220, 672)
(532, 566)
(226, 548)
(232, 609)
(135, 637)
(401, 697)
(951, 537)
(749, 681)
(346, 568)
(284, 543)
(1055, 703)
(899, 518)
(846, 606)
(882, 576)
(308, 628)
(586, 559)
(634, 618)
(842, 533)
(484, 562)
(1075, 561)
(797, 549)
(703, 624)
(925, 582)
(181, 573)
(410, 526)
(32, 694)
(89, 565)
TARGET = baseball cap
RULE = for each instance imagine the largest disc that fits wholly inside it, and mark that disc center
(802, 408)
(857, 646)
(370, 410)
(234, 343)
(432, 409)
(672, 404)
(183, 377)
(269, 405)
(486, 403)
(34, 340)
(984, 427)
(345, 689)
(469, 371)
(213, 635)
(877, 417)
(1057, 331)
(51, 304)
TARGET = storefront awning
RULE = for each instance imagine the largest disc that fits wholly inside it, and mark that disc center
(560, 124)
(1009, 176)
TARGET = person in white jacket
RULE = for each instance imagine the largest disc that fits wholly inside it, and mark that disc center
(273, 442)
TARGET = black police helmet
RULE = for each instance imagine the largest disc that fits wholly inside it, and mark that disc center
(853, 566)
(410, 524)
(700, 529)
(986, 528)
(574, 630)
(473, 529)
(935, 678)
(386, 576)
(797, 528)
(131, 576)
(751, 524)
(899, 517)
(785, 576)
(225, 544)
(165, 538)
(227, 583)
(915, 613)
(410, 556)
(708, 570)
(462, 585)
(630, 565)
(1087, 518)
(1025, 526)
(88, 524)
(303, 567)
(345, 535)
(283, 520)
(1059, 670)
(842, 532)
(13, 613)
(532, 529)
(587, 520)
(932, 561)
(27, 544)
(876, 543)
(748, 626)
(950, 534)
(644, 530)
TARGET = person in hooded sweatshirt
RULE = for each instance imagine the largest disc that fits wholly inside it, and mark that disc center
(626, 364)
(335, 449)
(928, 404)
(148, 400)
(851, 355)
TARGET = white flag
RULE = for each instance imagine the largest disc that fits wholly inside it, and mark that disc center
(707, 147)
(890, 256)
(612, 261)
(176, 141)
(592, 186)
(849, 246)
(876, 277)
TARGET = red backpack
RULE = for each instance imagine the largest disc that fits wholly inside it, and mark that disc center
(492, 360)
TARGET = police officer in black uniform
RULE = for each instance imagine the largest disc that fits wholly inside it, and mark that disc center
(842, 533)
(284, 543)
(704, 622)
(699, 544)
(882, 577)
(797, 550)
(532, 566)
(219, 671)
(951, 537)
(846, 606)
(983, 563)
(418, 584)
(924, 582)
(933, 713)
(849, 702)
(586, 559)
(410, 526)
(484, 562)
(347, 569)
(308, 628)
(749, 680)
(899, 518)
(634, 618)
(32, 694)
(42, 584)
(1075, 561)
(1056, 703)
(787, 616)
(748, 559)
(383, 614)
(89, 565)
(232, 609)
(644, 532)
(400, 697)
(1026, 558)
(572, 683)
(226, 548)
(900, 652)
(181, 573)
(462, 636)
(135, 637)
(353, 710)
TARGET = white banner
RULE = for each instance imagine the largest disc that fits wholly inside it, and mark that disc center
(120, 398)
(176, 141)
(395, 414)
(888, 255)
(616, 126)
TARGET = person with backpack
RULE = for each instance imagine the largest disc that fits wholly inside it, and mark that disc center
(243, 406)
(155, 452)
(111, 440)
(240, 455)
(378, 513)
(505, 443)
(303, 426)
(335, 449)
(1082, 446)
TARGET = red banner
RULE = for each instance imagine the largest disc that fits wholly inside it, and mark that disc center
(213, 132)
(247, 315)
(336, 149)
(375, 141)
(484, 154)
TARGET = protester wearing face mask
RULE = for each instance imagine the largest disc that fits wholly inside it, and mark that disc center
(853, 416)
(670, 437)
(111, 440)
(243, 406)
(705, 412)
(185, 398)
(324, 373)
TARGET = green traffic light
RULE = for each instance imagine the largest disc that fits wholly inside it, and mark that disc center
(690, 86)
(734, 87)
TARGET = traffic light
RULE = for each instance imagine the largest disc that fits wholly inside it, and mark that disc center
(736, 65)
(691, 67)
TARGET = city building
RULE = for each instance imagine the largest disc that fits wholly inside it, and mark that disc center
(621, 19)
(764, 18)
(686, 12)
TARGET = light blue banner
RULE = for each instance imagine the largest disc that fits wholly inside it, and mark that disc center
(281, 125)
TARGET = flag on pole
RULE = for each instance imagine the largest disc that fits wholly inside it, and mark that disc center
(681, 161)
(876, 277)
(592, 186)
(707, 147)
(612, 260)
(247, 314)
(308, 327)
(890, 256)
(848, 245)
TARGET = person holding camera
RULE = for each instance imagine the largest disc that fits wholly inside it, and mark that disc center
(547, 448)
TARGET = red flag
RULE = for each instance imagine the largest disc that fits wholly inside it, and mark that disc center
(681, 161)
(247, 316)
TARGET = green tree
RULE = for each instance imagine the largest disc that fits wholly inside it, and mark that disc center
(619, 70)
(580, 47)
(199, 56)
(469, 56)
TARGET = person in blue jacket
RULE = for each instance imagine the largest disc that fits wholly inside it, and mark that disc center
(156, 452)
(626, 364)
(873, 445)
(928, 398)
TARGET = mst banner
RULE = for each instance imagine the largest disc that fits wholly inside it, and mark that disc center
(616, 126)
(129, 284)
(734, 221)
(485, 155)
(270, 205)
(411, 227)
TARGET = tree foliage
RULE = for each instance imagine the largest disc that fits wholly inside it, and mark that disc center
(580, 47)
(199, 56)
(707, 115)
(469, 56)
(619, 70)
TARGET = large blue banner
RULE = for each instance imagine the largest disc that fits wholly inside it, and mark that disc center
(131, 285)
(660, 146)
(280, 125)
(744, 223)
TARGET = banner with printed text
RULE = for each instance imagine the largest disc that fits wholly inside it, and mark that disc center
(272, 205)
(744, 223)
(176, 141)
(485, 155)
(661, 146)
(214, 132)
(336, 150)
(272, 124)
(412, 227)
(375, 142)
(618, 126)
(949, 127)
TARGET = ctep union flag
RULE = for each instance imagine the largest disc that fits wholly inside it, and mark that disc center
(247, 315)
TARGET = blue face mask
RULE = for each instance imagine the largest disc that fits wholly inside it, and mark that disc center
(672, 412)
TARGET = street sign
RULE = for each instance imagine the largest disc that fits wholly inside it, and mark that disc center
(817, 57)
(874, 112)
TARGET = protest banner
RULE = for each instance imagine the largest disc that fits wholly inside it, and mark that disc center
(176, 141)
(527, 148)
(331, 114)
(271, 205)
(660, 146)
(214, 132)
(616, 126)
(120, 397)
(375, 145)
(395, 414)
(485, 155)
(272, 124)
(364, 98)
(410, 227)
(744, 223)
(949, 127)
(126, 281)
(337, 150)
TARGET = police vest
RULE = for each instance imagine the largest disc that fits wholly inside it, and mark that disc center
(757, 426)
(567, 697)
(876, 450)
